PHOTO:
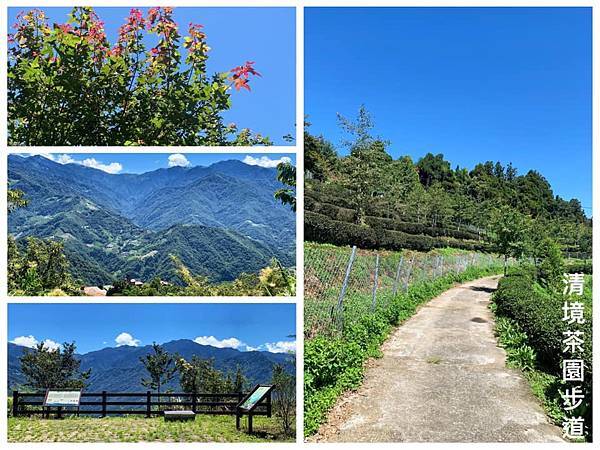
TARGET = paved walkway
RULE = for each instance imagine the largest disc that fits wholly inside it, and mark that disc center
(443, 379)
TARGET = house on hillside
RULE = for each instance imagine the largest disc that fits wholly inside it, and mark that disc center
(135, 282)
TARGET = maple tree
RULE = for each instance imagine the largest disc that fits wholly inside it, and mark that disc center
(68, 85)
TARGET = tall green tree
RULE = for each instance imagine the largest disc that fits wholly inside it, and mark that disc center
(240, 381)
(362, 174)
(435, 169)
(69, 85)
(53, 368)
(508, 230)
(160, 366)
(200, 376)
(320, 157)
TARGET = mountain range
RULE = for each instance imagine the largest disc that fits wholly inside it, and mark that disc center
(118, 369)
(220, 220)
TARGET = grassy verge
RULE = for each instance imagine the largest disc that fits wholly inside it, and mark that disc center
(333, 366)
(529, 327)
(137, 429)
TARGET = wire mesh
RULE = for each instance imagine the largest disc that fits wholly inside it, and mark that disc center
(343, 284)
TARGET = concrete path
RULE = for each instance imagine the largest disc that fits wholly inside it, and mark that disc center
(442, 379)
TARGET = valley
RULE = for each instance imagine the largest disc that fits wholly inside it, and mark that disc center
(220, 221)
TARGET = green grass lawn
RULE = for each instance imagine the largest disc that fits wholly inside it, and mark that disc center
(138, 429)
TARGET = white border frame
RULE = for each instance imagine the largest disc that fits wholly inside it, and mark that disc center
(299, 4)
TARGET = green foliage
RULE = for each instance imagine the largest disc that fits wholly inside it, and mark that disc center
(429, 195)
(536, 312)
(320, 156)
(68, 85)
(286, 174)
(575, 266)
(520, 355)
(284, 401)
(160, 367)
(508, 230)
(15, 199)
(39, 267)
(333, 365)
(552, 267)
(220, 221)
(53, 368)
(199, 376)
(320, 228)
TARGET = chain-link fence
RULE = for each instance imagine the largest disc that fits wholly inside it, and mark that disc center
(342, 284)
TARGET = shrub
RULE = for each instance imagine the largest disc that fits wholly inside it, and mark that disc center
(538, 314)
(320, 228)
(579, 267)
(417, 228)
(68, 85)
(551, 268)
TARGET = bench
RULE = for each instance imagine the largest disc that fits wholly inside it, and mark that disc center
(179, 415)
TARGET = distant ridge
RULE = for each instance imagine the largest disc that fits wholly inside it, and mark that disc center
(220, 220)
(120, 369)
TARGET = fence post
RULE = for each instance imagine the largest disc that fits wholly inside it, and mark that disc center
(409, 273)
(103, 403)
(269, 405)
(340, 304)
(15, 405)
(375, 281)
(397, 279)
(149, 403)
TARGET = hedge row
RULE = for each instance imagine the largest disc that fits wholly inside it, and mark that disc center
(335, 365)
(349, 215)
(539, 315)
(579, 267)
(332, 211)
(320, 228)
(417, 228)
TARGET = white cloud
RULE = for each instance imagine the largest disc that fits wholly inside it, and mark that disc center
(253, 349)
(32, 342)
(63, 159)
(273, 347)
(265, 161)
(113, 167)
(50, 344)
(178, 160)
(224, 343)
(25, 341)
(126, 339)
(281, 347)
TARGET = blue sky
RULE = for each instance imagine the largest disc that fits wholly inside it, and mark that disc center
(476, 84)
(235, 35)
(95, 326)
(145, 162)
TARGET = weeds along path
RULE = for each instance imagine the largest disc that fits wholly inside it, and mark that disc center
(442, 379)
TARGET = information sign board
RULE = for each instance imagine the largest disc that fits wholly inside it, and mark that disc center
(62, 398)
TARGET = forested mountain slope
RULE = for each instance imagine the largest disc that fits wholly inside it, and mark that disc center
(220, 221)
